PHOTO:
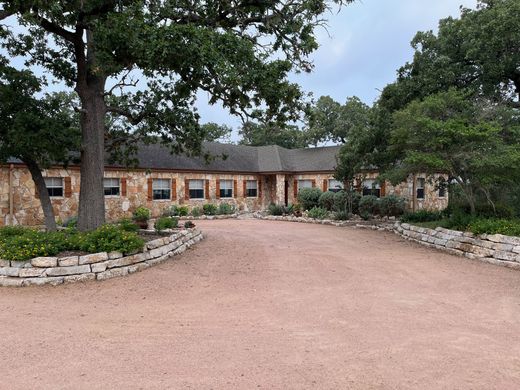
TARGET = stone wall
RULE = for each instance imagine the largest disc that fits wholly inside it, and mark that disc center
(100, 266)
(491, 248)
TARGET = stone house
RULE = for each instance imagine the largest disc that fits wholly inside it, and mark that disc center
(248, 177)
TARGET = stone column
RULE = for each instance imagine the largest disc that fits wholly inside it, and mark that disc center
(280, 189)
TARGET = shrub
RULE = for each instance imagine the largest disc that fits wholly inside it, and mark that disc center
(275, 209)
(108, 238)
(183, 211)
(369, 205)
(71, 222)
(164, 223)
(209, 209)
(341, 200)
(318, 213)
(508, 227)
(196, 211)
(226, 209)
(341, 215)
(189, 225)
(141, 214)
(170, 211)
(309, 197)
(128, 225)
(326, 200)
(392, 205)
(422, 216)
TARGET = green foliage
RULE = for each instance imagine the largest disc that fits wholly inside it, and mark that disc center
(189, 224)
(508, 227)
(141, 214)
(258, 134)
(128, 225)
(209, 209)
(164, 223)
(341, 215)
(275, 209)
(225, 209)
(309, 197)
(392, 205)
(421, 216)
(318, 213)
(183, 211)
(71, 222)
(369, 204)
(196, 211)
(25, 243)
(347, 201)
(326, 200)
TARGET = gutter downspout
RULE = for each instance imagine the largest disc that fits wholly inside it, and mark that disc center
(11, 200)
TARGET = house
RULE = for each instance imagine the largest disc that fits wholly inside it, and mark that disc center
(249, 177)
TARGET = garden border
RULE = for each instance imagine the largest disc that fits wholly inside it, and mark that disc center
(99, 266)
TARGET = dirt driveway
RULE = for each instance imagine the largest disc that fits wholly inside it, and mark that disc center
(273, 305)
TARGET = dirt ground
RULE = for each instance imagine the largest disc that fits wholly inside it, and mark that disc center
(272, 305)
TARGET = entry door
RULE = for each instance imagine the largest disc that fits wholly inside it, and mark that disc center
(286, 193)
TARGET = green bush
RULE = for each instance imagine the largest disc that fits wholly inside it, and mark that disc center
(141, 214)
(275, 209)
(108, 238)
(508, 227)
(341, 200)
(341, 215)
(71, 222)
(128, 225)
(309, 197)
(326, 200)
(183, 211)
(318, 213)
(164, 223)
(209, 209)
(225, 209)
(196, 212)
(369, 205)
(422, 216)
(392, 205)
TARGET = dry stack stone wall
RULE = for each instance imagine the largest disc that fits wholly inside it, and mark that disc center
(492, 248)
(100, 266)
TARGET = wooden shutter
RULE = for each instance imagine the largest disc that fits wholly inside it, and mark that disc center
(68, 187)
(174, 189)
(295, 189)
(186, 189)
(313, 181)
(217, 189)
(206, 192)
(244, 188)
(123, 186)
(259, 186)
(325, 185)
(383, 189)
(235, 188)
(150, 189)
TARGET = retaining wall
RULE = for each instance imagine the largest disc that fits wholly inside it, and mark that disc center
(100, 266)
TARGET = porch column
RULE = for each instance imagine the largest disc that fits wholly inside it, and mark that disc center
(280, 189)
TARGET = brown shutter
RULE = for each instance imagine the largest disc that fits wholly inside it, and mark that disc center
(358, 185)
(174, 189)
(207, 189)
(68, 187)
(217, 189)
(313, 181)
(259, 184)
(235, 188)
(383, 189)
(123, 186)
(186, 189)
(325, 185)
(150, 188)
(244, 188)
(295, 189)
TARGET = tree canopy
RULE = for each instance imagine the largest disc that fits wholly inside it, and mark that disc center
(259, 134)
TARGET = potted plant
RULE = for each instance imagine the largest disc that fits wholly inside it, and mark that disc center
(141, 217)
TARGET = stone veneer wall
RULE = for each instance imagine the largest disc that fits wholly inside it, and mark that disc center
(492, 248)
(100, 266)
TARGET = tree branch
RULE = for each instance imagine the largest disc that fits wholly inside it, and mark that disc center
(133, 119)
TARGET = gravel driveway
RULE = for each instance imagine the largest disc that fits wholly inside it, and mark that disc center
(273, 305)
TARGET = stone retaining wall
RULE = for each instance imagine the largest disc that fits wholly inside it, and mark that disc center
(100, 266)
(331, 222)
(492, 248)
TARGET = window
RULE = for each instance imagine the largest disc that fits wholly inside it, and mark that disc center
(251, 188)
(54, 186)
(161, 189)
(196, 188)
(226, 188)
(420, 188)
(304, 184)
(111, 186)
(371, 187)
(335, 185)
(442, 187)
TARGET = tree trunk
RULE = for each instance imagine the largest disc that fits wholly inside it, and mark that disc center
(91, 213)
(45, 200)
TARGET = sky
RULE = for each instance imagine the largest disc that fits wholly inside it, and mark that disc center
(359, 55)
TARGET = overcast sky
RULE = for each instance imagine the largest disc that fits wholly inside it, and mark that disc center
(366, 43)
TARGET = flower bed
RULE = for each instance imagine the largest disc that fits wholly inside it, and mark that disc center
(100, 266)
